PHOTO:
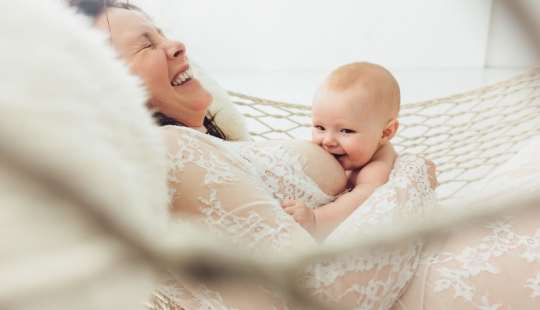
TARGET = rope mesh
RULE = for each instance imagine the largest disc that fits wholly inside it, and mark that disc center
(466, 135)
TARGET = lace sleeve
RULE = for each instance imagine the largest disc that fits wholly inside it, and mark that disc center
(227, 195)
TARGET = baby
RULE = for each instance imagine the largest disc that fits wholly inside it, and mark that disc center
(354, 117)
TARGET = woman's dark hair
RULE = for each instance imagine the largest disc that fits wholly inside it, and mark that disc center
(93, 8)
(209, 123)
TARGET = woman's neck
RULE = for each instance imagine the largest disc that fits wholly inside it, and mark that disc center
(201, 129)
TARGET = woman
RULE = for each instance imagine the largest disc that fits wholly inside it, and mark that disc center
(176, 96)
(234, 190)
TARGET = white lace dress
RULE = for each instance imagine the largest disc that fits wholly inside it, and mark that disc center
(234, 191)
(489, 264)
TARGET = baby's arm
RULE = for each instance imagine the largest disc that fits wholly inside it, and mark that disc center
(323, 220)
(365, 181)
(301, 213)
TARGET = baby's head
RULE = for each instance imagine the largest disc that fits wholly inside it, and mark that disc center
(355, 112)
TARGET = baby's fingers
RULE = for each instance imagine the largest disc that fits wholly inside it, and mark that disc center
(288, 203)
(289, 210)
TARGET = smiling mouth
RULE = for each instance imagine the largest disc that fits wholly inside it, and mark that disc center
(183, 78)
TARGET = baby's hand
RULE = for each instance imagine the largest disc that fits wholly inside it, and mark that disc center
(300, 213)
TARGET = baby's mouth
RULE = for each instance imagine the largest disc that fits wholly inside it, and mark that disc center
(183, 78)
(338, 156)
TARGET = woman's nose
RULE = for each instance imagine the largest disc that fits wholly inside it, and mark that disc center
(175, 49)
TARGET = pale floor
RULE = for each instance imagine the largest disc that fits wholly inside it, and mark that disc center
(416, 84)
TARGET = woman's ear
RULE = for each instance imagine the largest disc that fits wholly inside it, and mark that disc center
(389, 131)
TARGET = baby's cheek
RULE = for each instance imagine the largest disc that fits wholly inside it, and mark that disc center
(315, 137)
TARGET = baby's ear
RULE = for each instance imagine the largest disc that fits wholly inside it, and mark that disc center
(389, 131)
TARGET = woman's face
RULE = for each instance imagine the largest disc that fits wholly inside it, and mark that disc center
(160, 62)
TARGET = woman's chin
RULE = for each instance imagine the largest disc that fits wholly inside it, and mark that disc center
(203, 102)
(195, 94)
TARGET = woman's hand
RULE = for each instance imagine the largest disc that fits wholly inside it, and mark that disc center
(301, 213)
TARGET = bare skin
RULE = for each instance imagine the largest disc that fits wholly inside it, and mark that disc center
(320, 165)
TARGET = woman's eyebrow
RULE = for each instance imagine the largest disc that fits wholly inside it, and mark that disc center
(145, 35)
(148, 36)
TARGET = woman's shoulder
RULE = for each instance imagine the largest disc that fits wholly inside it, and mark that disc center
(175, 130)
(176, 136)
(172, 132)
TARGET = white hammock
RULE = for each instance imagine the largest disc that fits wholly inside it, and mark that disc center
(466, 135)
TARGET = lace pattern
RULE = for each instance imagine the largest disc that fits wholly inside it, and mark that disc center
(407, 198)
(283, 174)
(492, 263)
(238, 201)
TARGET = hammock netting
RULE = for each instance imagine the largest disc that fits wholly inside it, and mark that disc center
(466, 135)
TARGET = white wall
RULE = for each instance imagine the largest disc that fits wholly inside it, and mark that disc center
(299, 35)
(510, 43)
(282, 49)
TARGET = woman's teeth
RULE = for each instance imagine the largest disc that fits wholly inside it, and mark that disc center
(182, 78)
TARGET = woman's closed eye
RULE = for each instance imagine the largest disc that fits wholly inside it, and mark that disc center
(149, 41)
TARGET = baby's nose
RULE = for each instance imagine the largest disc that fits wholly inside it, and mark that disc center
(329, 140)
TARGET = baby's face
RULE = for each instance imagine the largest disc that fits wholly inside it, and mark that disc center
(346, 125)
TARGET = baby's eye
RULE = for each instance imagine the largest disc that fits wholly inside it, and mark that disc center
(319, 127)
(347, 131)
